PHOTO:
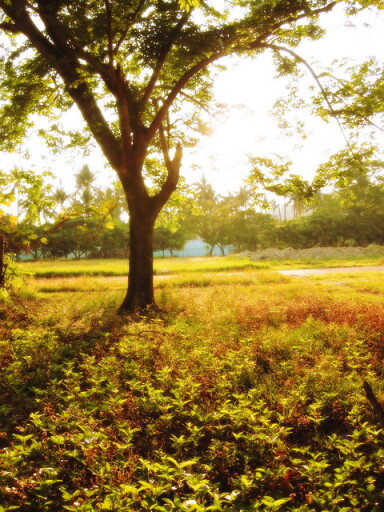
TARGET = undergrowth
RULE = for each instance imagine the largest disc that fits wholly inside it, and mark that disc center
(243, 395)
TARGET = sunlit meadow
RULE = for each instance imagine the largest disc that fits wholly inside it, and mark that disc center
(244, 393)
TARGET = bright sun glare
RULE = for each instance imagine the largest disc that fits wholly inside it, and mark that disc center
(249, 88)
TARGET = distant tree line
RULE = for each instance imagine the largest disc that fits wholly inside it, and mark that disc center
(92, 222)
(353, 214)
(48, 221)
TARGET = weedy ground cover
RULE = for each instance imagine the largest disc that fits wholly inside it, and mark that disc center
(244, 394)
(370, 282)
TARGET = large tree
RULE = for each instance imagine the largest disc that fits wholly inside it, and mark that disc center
(129, 65)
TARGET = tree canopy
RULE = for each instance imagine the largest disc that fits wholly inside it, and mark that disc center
(139, 72)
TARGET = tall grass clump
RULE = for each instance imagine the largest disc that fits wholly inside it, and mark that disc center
(240, 396)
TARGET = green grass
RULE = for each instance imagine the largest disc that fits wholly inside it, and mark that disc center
(326, 263)
(120, 267)
(166, 266)
(73, 268)
(367, 282)
(244, 394)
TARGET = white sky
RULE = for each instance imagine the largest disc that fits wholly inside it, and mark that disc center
(222, 157)
(251, 130)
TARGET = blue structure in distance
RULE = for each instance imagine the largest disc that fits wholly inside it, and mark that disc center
(194, 248)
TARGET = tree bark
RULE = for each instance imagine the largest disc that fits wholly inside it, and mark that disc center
(143, 211)
(140, 294)
(2, 264)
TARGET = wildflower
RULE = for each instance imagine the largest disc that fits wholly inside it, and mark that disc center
(190, 503)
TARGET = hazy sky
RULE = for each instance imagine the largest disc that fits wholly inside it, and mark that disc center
(254, 130)
(250, 129)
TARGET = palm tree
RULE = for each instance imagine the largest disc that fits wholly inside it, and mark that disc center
(84, 183)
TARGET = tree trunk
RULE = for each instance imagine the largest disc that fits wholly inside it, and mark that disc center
(143, 211)
(140, 294)
(2, 264)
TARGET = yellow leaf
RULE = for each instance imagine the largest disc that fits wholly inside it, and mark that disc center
(109, 225)
(12, 220)
(43, 240)
(33, 236)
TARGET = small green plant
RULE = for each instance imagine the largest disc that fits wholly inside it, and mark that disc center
(241, 396)
(12, 279)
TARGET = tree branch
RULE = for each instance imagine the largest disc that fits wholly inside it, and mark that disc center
(108, 13)
(315, 12)
(257, 43)
(70, 46)
(64, 61)
(9, 27)
(278, 49)
(156, 72)
(170, 184)
(199, 104)
(122, 95)
(368, 122)
(129, 25)
(165, 148)
(176, 89)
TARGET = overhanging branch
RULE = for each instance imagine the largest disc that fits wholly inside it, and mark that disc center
(176, 89)
(230, 50)
(307, 14)
(278, 49)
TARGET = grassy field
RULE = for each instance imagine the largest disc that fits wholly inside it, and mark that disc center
(244, 394)
(164, 266)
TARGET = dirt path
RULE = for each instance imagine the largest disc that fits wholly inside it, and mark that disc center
(321, 271)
